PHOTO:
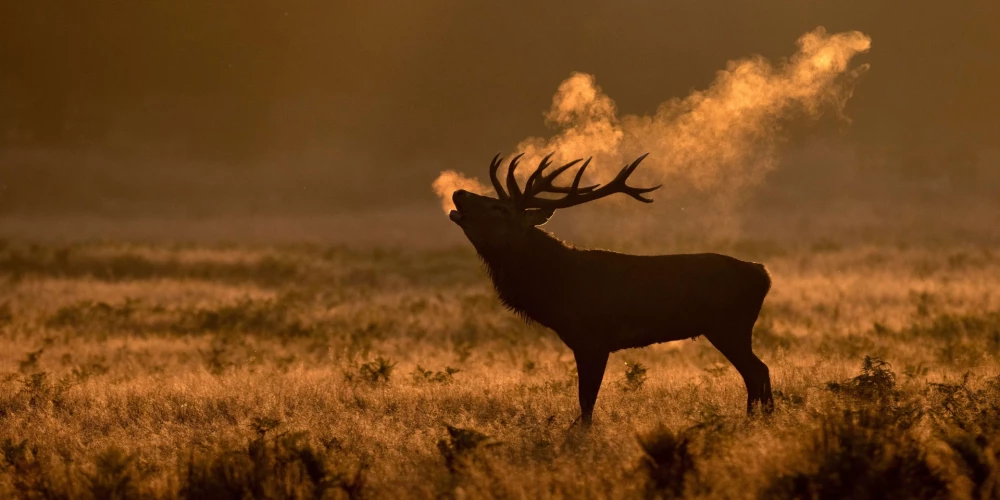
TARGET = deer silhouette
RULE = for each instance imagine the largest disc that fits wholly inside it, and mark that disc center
(598, 301)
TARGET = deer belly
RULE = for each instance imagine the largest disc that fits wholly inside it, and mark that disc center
(641, 337)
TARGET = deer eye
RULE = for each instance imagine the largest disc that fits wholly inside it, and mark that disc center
(500, 209)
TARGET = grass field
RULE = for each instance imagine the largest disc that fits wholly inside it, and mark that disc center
(130, 371)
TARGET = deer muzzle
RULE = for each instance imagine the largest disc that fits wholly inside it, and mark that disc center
(456, 197)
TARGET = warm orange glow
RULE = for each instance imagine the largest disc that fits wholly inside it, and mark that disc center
(450, 181)
(721, 139)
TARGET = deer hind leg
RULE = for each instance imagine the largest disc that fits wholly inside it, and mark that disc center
(590, 371)
(755, 373)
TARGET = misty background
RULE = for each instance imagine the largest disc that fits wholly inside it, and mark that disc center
(317, 120)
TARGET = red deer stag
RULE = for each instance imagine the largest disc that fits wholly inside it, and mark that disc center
(598, 301)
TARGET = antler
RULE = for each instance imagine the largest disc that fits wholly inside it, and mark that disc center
(531, 188)
(494, 165)
(512, 189)
(539, 182)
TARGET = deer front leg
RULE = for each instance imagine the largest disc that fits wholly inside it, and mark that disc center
(590, 371)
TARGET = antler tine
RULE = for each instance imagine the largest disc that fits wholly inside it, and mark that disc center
(634, 192)
(534, 186)
(494, 166)
(538, 182)
(576, 195)
(638, 192)
(545, 184)
(631, 167)
(542, 165)
(512, 189)
(579, 175)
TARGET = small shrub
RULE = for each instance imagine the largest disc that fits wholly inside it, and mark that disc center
(862, 454)
(14, 453)
(115, 475)
(460, 447)
(376, 371)
(876, 382)
(635, 377)
(958, 407)
(667, 462)
(30, 362)
(283, 466)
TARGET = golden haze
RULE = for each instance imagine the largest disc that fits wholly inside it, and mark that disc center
(723, 139)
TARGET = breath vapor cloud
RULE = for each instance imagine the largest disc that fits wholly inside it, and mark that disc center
(721, 140)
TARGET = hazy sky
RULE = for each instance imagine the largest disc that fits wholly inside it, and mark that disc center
(331, 93)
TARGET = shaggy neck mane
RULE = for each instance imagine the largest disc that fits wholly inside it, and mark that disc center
(525, 270)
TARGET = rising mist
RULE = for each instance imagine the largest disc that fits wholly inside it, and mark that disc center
(722, 140)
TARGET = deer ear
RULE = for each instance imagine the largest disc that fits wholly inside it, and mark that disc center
(537, 216)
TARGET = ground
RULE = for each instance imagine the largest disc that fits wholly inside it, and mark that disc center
(299, 371)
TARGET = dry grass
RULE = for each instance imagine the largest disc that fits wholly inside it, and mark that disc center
(178, 371)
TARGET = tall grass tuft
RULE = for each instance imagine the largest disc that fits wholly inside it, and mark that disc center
(668, 463)
(864, 454)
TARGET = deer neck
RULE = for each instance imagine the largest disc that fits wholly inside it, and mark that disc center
(529, 273)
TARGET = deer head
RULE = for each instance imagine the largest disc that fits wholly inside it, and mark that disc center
(492, 222)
